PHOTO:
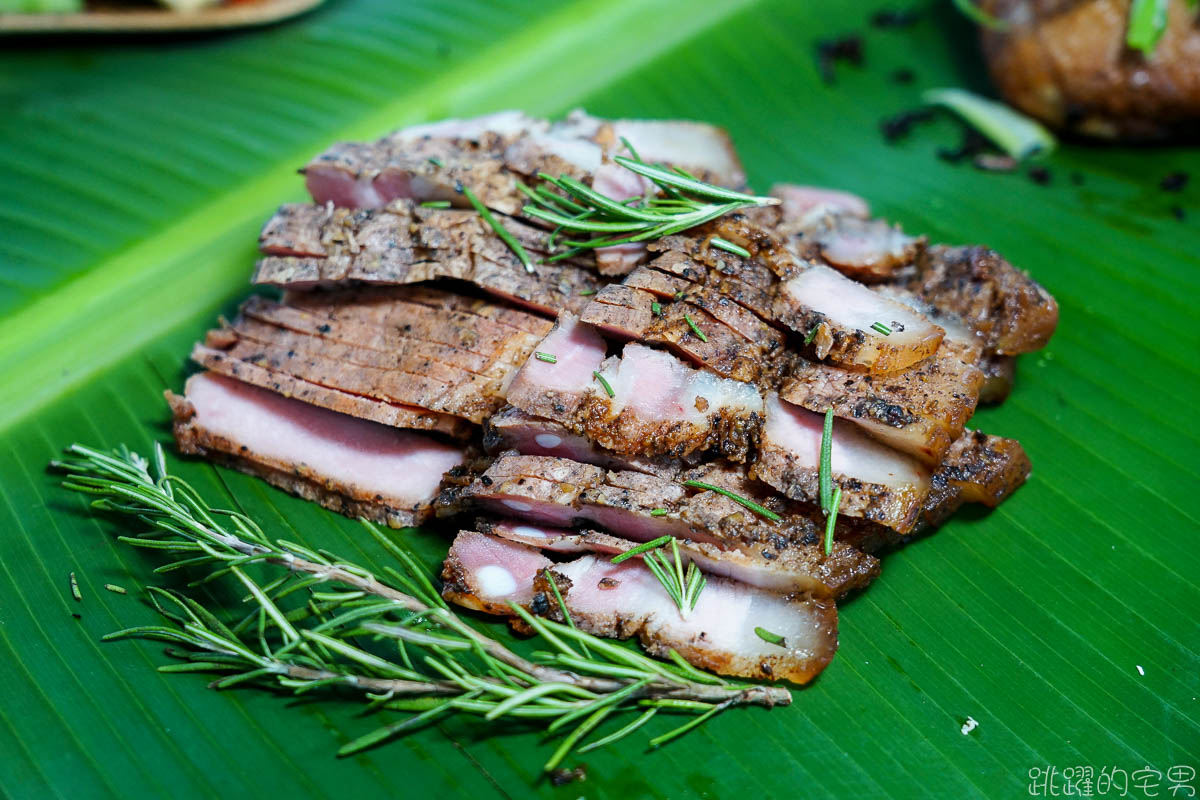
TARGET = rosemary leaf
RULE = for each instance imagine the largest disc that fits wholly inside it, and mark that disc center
(768, 636)
(695, 328)
(729, 247)
(879, 327)
(825, 471)
(1147, 24)
(737, 498)
(500, 230)
(608, 390)
(549, 358)
(831, 519)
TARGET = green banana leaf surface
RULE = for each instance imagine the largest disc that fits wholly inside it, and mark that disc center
(134, 175)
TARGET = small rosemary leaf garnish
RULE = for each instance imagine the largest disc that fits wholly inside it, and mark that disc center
(831, 519)
(772, 638)
(695, 328)
(737, 498)
(1147, 24)
(512, 243)
(1013, 132)
(75, 589)
(692, 186)
(659, 512)
(656, 308)
(112, 587)
(729, 247)
(644, 547)
(607, 388)
(436, 204)
(825, 472)
(980, 17)
(432, 662)
(437, 162)
(812, 333)
(879, 327)
(549, 358)
(587, 293)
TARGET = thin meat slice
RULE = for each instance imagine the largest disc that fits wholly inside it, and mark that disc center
(623, 600)
(919, 411)
(486, 573)
(878, 483)
(513, 429)
(802, 202)
(865, 250)
(391, 414)
(355, 467)
(310, 247)
(556, 385)
(1007, 309)
(722, 535)
(839, 315)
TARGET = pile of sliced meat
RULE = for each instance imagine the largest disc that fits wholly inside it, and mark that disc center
(406, 365)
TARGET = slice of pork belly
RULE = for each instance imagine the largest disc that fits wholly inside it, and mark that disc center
(999, 374)
(313, 246)
(878, 483)
(659, 406)
(707, 328)
(486, 573)
(839, 313)
(918, 411)
(394, 415)
(978, 469)
(427, 358)
(730, 539)
(1006, 308)
(865, 250)
(623, 600)
(800, 203)
(513, 429)
(355, 467)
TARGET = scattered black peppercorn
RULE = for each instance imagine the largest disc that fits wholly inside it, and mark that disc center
(563, 776)
(973, 143)
(1174, 182)
(831, 51)
(904, 75)
(1177, 213)
(899, 126)
(1039, 175)
(895, 17)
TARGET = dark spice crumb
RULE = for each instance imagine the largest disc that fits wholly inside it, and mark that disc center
(1039, 175)
(1177, 213)
(485, 480)
(76, 615)
(1174, 182)
(904, 75)
(895, 17)
(973, 143)
(562, 776)
(899, 126)
(842, 48)
(540, 604)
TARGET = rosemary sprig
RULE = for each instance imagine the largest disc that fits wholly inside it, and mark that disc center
(831, 497)
(683, 585)
(729, 247)
(325, 624)
(737, 498)
(500, 230)
(682, 202)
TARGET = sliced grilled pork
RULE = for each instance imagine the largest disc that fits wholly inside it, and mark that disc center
(919, 411)
(839, 315)
(723, 536)
(999, 372)
(878, 483)
(658, 405)
(865, 250)
(486, 573)
(1007, 309)
(513, 429)
(978, 469)
(349, 465)
(801, 203)
(313, 246)
(412, 348)
(623, 600)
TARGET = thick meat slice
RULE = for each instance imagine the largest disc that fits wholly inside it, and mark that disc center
(1006, 308)
(486, 573)
(513, 429)
(865, 250)
(352, 466)
(623, 600)
(556, 385)
(315, 246)
(423, 363)
(878, 483)
(919, 411)
(839, 313)
(999, 372)
(978, 469)
(722, 534)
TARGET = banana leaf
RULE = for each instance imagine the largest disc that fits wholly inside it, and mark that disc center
(134, 174)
